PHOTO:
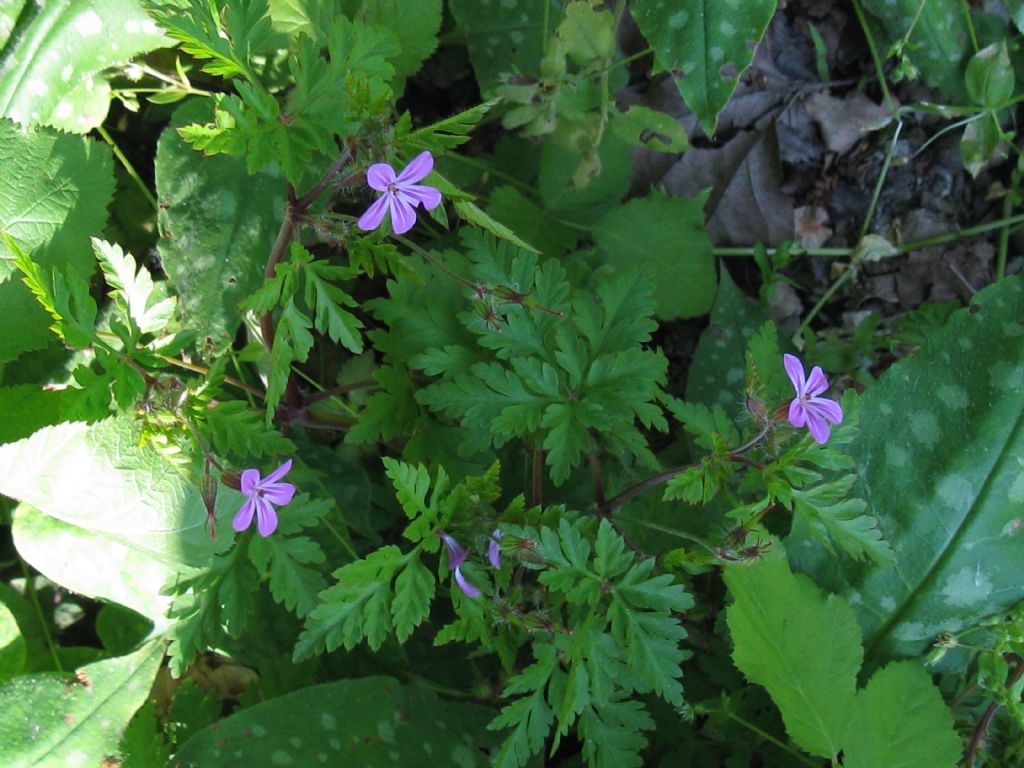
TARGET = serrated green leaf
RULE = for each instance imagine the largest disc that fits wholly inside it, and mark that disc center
(52, 72)
(292, 344)
(802, 646)
(612, 734)
(328, 301)
(59, 187)
(234, 429)
(414, 592)
(706, 45)
(939, 467)
(286, 559)
(358, 607)
(416, 25)
(900, 719)
(475, 215)
(217, 230)
(143, 744)
(75, 722)
(664, 235)
(344, 721)
(133, 288)
(531, 718)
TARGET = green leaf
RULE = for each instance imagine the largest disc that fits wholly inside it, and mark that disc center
(126, 574)
(476, 216)
(803, 647)
(133, 288)
(366, 721)
(52, 73)
(513, 209)
(216, 231)
(717, 374)
(899, 718)
(9, 12)
(143, 744)
(502, 37)
(645, 127)
(989, 77)
(612, 734)
(358, 607)
(236, 430)
(12, 644)
(705, 44)
(59, 187)
(531, 718)
(286, 560)
(666, 236)
(414, 591)
(74, 722)
(328, 299)
(415, 24)
(939, 467)
(939, 38)
(291, 345)
(96, 477)
(27, 408)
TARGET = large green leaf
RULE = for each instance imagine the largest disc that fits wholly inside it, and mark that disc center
(217, 226)
(415, 24)
(12, 644)
(939, 43)
(9, 12)
(802, 646)
(718, 372)
(97, 478)
(62, 552)
(25, 409)
(504, 35)
(51, 76)
(370, 721)
(56, 191)
(705, 45)
(939, 463)
(664, 235)
(51, 720)
(901, 719)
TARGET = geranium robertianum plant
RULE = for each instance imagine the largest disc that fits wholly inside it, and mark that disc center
(510, 532)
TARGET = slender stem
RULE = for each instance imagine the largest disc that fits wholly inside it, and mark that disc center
(879, 64)
(538, 477)
(749, 251)
(324, 394)
(877, 192)
(30, 590)
(128, 167)
(345, 543)
(846, 275)
(1004, 238)
(203, 370)
(979, 732)
(665, 529)
(307, 199)
(284, 238)
(969, 22)
(950, 237)
(595, 477)
(768, 737)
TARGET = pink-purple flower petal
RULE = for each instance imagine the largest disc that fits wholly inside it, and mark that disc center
(816, 382)
(375, 213)
(381, 176)
(795, 371)
(403, 217)
(830, 409)
(266, 517)
(417, 170)
(244, 517)
(797, 414)
(807, 409)
(250, 478)
(418, 194)
(277, 474)
(818, 428)
(464, 585)
(279, 493)
(494, 549)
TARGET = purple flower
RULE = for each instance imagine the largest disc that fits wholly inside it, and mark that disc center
(456, 556)
(494, 549)
(401, 194)
(807, 409)
(263, 495)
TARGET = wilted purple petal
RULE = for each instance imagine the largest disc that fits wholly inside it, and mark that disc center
(456, 552)
(464, 585)
(244, 517)
(417, 170)
(403, 217)
(375, 213)
(494, 549)
(380, 176)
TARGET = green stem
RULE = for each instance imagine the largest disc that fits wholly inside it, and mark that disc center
(1004, 238)
(30, 591)
(836, 285)
(128, 167)
(951, 237)
(767, 737)
(666, 530)
(879, 66)
(877, 192)
(749, 251)
(346, 545)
